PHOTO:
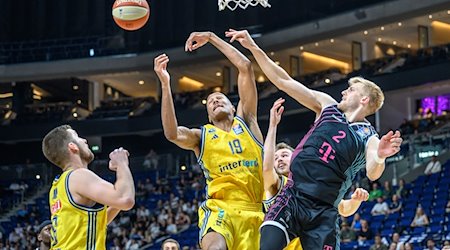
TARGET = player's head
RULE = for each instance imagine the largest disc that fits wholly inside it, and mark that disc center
(283, 155)
(219, 107)
(361, 93)
(62, 143)
(170, 244)
(44, 232)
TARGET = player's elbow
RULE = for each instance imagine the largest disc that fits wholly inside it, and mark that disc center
(126, 203)
(171, 136)
(372, 176)
(245, 65)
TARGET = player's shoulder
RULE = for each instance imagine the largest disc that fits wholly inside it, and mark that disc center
(81, 174)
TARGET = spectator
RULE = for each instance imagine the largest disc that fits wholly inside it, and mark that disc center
(401, 192)
(396, 239)
(134, 243)
(375, 193)
(395, 205)
(170, 244)
(387, 191)
(381, 208)
(151, 160)
(365, 233)
(347, 234)
(43, 236)
(419, 114)
(420, 219)
(447, 208)
(431, 245)
(356, 223)
(171, 227)
(434, 166)
(393, 246)
(409, 246)
(446, 245)
(378, 245)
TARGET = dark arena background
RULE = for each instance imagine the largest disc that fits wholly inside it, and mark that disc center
(67, 62)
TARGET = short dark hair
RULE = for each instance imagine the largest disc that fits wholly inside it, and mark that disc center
(54, 145)
(44, 224)
(171, 241)
(283, 145)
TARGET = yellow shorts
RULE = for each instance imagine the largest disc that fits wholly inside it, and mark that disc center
(294, 245)
(238, 223)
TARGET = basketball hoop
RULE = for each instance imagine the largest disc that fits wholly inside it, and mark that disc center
(233, 4)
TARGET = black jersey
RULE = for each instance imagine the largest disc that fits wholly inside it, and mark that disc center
(328, 157)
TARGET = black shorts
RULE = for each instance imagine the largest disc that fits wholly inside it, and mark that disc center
(300, 215)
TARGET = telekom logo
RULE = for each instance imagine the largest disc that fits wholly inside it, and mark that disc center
(326, 247)
(327, 151)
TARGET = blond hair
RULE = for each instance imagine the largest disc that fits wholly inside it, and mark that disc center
(283, 145)
(54, 145)
(376, 96)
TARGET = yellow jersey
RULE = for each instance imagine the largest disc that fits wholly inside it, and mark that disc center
(269, 199)
(74, 226)
(232, 163)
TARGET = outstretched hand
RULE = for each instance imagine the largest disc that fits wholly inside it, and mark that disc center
(242, 36)
(389, 144)
(360, 194)
(276, 111)
(160, 67)
(196, 40)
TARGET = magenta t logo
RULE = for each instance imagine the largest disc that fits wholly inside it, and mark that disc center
(327, 151)
(326, 247)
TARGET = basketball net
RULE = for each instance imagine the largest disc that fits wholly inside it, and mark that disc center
(233, 4)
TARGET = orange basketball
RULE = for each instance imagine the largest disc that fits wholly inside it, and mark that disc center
(130, 14)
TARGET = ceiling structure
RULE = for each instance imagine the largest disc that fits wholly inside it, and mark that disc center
(402, 34)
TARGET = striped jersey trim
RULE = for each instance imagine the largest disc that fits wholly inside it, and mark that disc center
(249, 131)
(91, 231)
(79, 206)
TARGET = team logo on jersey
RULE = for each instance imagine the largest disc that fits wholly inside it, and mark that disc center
(238, 129)
(363, 132)
(56, 207)
(236, 164)
(211, 130)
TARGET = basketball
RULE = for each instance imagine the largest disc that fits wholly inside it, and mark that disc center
(130, 14)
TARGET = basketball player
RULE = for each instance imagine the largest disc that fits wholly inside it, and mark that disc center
(170, 244)
(339, 144)
(229, 150)
(81, 203)
(276, 169)
(43, 236)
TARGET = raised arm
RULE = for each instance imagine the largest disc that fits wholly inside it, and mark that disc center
(311, 99)
(183, 137)
(85, 185)
(378, 150)
(248, 94)
(349, 207)
(271, 178)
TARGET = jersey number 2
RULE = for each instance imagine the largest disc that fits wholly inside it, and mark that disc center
(235, 146)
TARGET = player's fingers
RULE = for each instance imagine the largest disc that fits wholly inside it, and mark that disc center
(232, 30)
(161, 58)
(280, 110)
(397, 133)
(233, 37)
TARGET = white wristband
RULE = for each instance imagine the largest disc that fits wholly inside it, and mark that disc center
(378, 159)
